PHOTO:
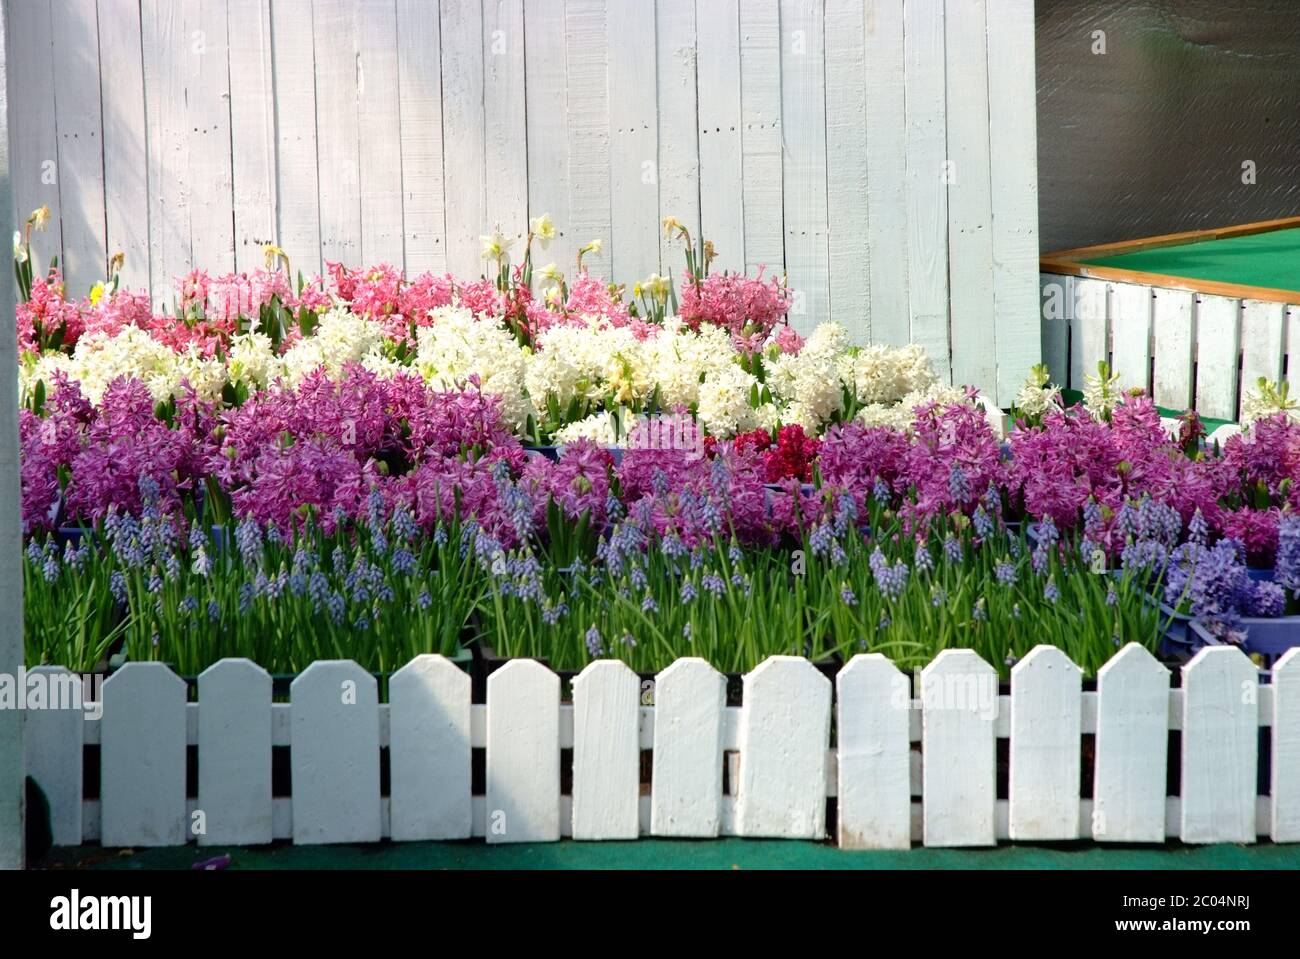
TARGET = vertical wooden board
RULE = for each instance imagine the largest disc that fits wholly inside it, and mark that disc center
(334, 29)
(523, 753)
(1130, 322)
(1292, 369)
(887, 173)
(686, 775)
(970, 203)
(1263, 349)
(848, 223)
(1173, 321)
(1128, 802)
(506, 130)
(761, 133)
(297, 181)
(52, 742)
(722, 206)
(1218, 345)
(1220, 743)
(164, 39)
(873, 792)
(1089, 330)
(634, 141)
(1046, 723)
(210, 181)
(142, 758)
(927, 200)
(1056, 296)
(959, 701)
(334, 754)
(587, 101)
(1013, 165)
(545, 91)
(235, 754)
(126, 188)
(252, 131)
(784, 734)
(803, 123)
(33, 136)
(80, 144)
(429, 750)
(464, 142)
(606, 752)
(679, 153)
(380, 134)
(1286, 749)
(420, 104)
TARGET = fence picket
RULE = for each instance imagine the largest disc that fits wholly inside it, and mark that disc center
(52, 743)
(235, 754)
(1218, 336)
(523, 753)
(686, 776)
(335, 754)
(1286, 748)
(1130, 320)
(1263, 326)
(1220, 746)
(873, 794)
(959, 701)
(606, 752)
(1173, 321)
(1132, 743)
(1090, 333)
(1046, 721)
(784, 733)
(142, 758)
(429, 750)
(1055, 296)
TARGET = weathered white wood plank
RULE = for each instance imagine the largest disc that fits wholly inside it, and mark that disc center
(419, 59)
(606, 752)
(126, 188)
(1218, 344)
(429, 750)
(803, 124)
(1089, 330)
(1013, 166)
(252, 131)
(80, 144)
(873, 753)
(1130, 322)
(970, 204)
(296, 181)
(210, 181)
(958, 747)
(679, 137)
(1263, 348)
(464, 136)
(927, 198)
(784, 733)
(334, 27)
(380, 134)
(1046, 721)
(1056, 298)
(722, 206)
(164, 39)
(546, 74)
(505, 127)
(1220, 747)
(887, 173)
(634, 136)
(52, 742)
(686, 775)
(523, 753)
(761, 133)
(334, 756)
(34, 160)
(848, 221)
(1285, 787)
(142, 758)
(1132, 747)
(234, 754)
(1173, 320)
(586, 50)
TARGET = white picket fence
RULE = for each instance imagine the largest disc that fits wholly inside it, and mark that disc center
(1190, 350)
(902, 769)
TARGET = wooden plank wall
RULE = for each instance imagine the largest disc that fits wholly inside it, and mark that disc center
(881, 153)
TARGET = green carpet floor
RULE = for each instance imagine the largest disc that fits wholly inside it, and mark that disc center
(648, 854)
(1269, 259)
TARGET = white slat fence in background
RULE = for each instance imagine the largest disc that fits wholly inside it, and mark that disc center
(789, 763)
(880, 152)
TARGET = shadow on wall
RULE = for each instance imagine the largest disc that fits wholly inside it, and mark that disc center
(1151, 135)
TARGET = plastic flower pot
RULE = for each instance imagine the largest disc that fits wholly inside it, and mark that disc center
(1269, 639)
(549, 451)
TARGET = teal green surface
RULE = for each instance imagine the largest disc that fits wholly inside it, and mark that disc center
(1269, 259)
